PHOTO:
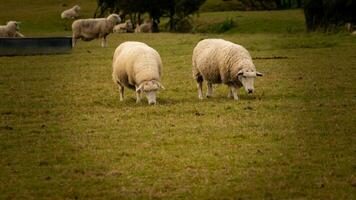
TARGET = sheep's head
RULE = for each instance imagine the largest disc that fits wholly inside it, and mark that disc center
(149, 88)
(14, 25)
(76, 8)
(114, 18)
(247, 78)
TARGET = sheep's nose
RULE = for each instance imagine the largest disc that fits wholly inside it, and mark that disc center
(250, 91)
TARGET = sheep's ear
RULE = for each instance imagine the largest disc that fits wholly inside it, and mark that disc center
(259, 74)
(161, 86)
(240, 73)
(139, 88)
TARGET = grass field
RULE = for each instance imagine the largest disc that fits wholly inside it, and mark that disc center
(65, 135)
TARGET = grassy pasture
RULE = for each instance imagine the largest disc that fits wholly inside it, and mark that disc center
(65, 135)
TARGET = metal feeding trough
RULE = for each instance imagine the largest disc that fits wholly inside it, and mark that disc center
(35, 46)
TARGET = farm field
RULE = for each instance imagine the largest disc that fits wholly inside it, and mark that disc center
(65, 135)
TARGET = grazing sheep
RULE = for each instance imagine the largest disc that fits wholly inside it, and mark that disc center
(144, 28)
(89, 29)
(221, 61)
(71, 13)
(10, 29)
(126, 27)
(137, 66)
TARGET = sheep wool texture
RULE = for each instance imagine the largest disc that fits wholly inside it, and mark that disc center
(219, 61)
(144, 28)
(135, 63)
(10, 30)
(89, 29)
(123, 27)
(71, 13)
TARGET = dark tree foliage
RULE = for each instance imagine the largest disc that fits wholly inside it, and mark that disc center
(106, 6)
(329, 14)
(179, 10)
(176, 10)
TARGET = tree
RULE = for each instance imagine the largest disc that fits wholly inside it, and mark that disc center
(329, 14)
(176, 10)
(179, 10)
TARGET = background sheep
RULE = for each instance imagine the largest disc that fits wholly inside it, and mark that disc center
(144, 28)
(221, 61)
(124, 27)
(10, 30)
(137, 66)
(71, 13)
(89, 29)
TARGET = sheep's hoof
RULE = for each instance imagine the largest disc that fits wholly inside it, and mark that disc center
(208, 96)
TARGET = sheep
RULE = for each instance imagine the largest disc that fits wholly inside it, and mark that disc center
(137, 66)
(71, 13)
(89, 29)
(11, 29)
(144, 28)
(220, 61)
(124, 27)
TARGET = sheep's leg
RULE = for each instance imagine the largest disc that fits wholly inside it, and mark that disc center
(209, 92)
(233, 92)
(199, 79)
(138, 96)
(230, 93)
(104, 42)
(200, 90)
(121, 91)
(74, 41)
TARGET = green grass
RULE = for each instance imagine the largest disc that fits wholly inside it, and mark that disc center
(65, 135)
(285, 21)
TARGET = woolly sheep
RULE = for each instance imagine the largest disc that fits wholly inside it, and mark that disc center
(71, 13)
(144, 28)
(89, 29)
(137, 66)
(124, 27)
(220, 61)
(10, 29)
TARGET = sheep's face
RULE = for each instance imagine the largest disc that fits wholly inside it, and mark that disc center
(247, 78)
(77, 8)
(14, 24)
(114, 18)
(150, 88)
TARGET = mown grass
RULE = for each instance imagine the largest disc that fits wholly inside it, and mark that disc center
(64, 133)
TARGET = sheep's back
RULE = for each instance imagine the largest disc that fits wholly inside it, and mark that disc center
(219, 60)
(136, 62)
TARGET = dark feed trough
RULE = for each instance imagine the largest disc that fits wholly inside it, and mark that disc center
(35, 46)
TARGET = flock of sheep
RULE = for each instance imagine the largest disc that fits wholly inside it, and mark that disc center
(139, 67)
(89, 29)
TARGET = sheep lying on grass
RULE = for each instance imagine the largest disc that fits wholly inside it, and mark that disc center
(10, 29)
(126, 27)
(89, 29)
(137, 66)
(221, 61)
(144, 28)
(71, 13)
